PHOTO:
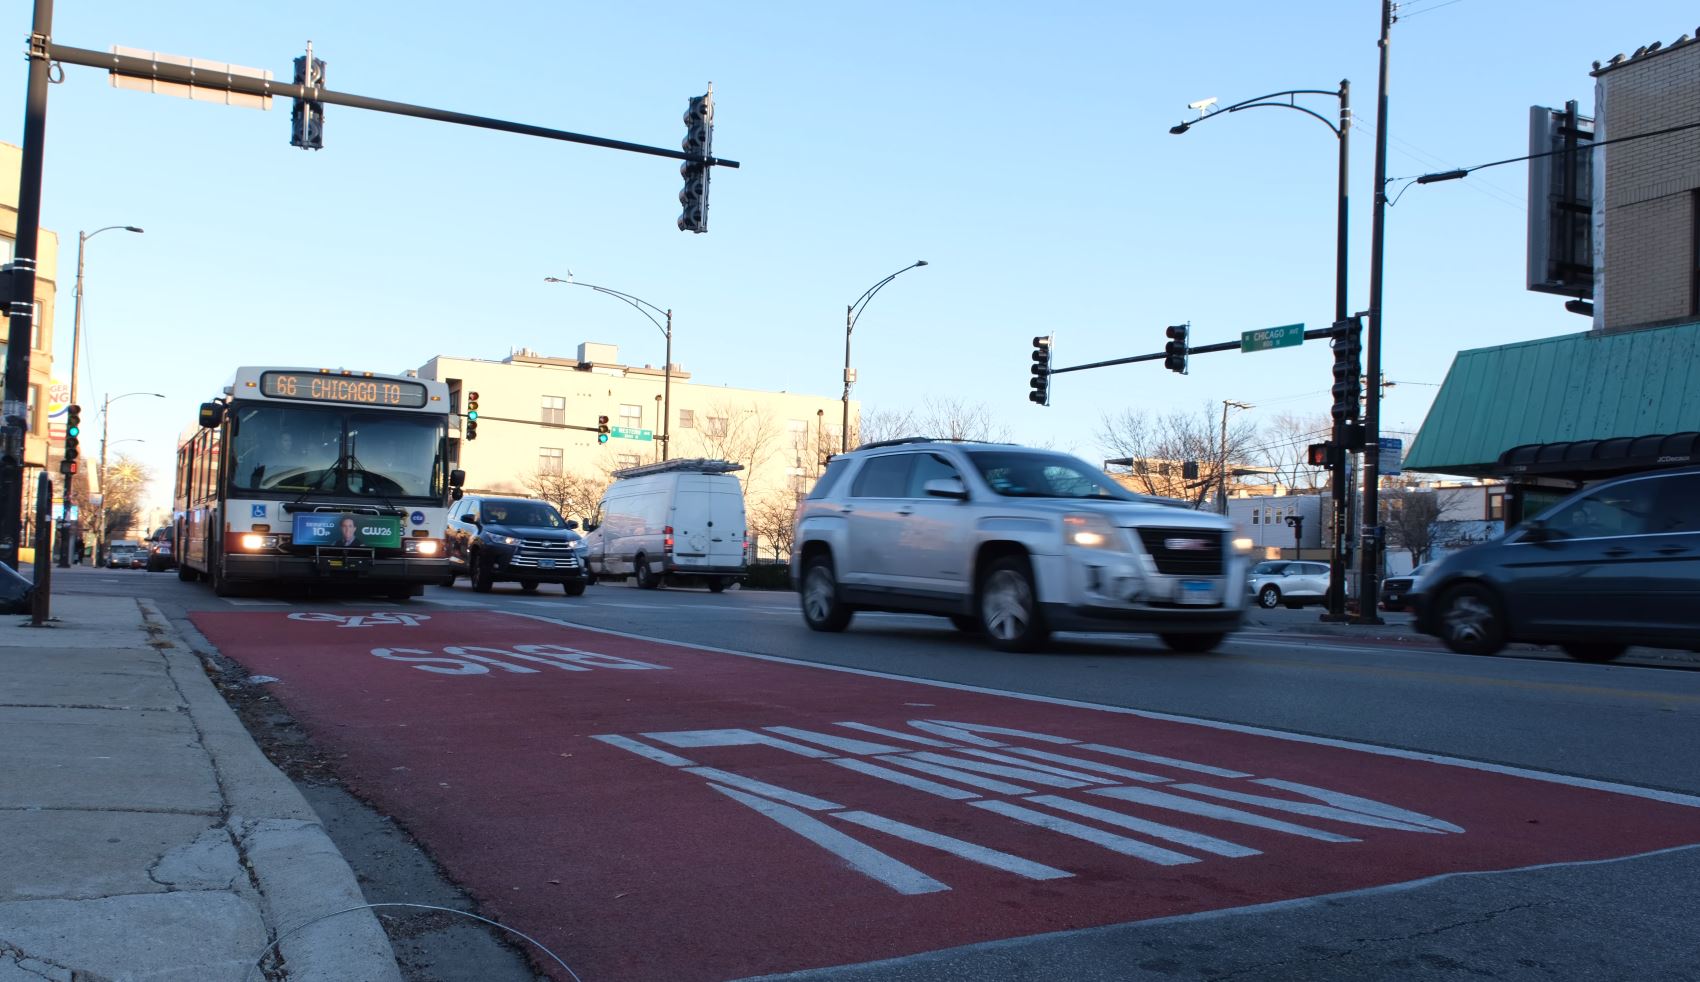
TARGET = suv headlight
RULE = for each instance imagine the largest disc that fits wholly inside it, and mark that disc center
(1089, 531)
(506, 540)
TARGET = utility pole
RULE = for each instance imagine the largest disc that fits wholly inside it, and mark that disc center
(1369, 554)
(1222, 467)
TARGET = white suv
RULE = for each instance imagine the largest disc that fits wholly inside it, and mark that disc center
(1013, 542)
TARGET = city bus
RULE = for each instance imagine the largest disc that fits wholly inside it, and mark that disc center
(317, 476)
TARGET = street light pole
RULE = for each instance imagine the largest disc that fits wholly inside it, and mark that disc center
(1222, 466)
(1369, 552)
(852, 314)
(105, 419)
(665, 326)
(76, 349)
(1342, 129)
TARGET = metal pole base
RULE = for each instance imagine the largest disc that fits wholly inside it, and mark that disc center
(1367, 619)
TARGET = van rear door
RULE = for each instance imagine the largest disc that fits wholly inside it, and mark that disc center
(726, 502)
(708, 522)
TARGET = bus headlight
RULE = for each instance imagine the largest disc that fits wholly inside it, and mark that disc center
(259, 543)
(422, 547)
(1243, 545)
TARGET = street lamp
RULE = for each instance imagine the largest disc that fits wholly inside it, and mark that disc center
(852, 314)
(105, 416)
(76, 348)
(1341, 129)
(1222, 469)
(644, 307)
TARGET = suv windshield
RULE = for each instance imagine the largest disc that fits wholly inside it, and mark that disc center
(526, 514)
(289, 449)
(1021, 474)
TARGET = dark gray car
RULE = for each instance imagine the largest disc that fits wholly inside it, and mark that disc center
(1613, 565)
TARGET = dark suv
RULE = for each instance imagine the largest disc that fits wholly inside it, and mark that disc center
(1613, 565)
(519, 539)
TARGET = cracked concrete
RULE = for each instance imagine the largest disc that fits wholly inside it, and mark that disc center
(143, 835)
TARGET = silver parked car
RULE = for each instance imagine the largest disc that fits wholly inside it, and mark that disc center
(1288, 582)
(1013, 543)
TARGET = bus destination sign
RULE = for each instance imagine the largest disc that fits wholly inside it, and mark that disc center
(312, 387)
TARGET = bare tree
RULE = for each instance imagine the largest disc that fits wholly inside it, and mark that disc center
(1160, 448)
(1286, 441)
(122, 485)
(1410, 515)
(771, 520)
(952, 419)
(575, 494)
(742, 434)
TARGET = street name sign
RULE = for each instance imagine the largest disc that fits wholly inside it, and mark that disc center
(623, 433)
(1264, 338)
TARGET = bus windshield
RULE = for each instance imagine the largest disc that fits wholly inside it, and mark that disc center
(365, 454)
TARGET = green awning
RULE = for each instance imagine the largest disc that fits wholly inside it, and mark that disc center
(1555, 390)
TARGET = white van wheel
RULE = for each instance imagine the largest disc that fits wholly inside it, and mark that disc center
(645, 577)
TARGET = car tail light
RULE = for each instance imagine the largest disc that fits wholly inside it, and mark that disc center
(667, 539)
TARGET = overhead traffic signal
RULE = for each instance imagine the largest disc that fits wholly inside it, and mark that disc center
(1041, 381)
(1347, 342)
(699, 143)
(1174, 353)
(307, 118)
(472, 415)
(73, 436)
(602, 429)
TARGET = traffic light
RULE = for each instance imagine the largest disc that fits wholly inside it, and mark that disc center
(307, 118)
(1347, 342)
(73, 435)
(601, 429)
(1174, 353)
(698, 142)
(1321, 454)
(472, 415)
(1041, 381)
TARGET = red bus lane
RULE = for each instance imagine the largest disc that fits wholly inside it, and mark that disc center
(656, 811)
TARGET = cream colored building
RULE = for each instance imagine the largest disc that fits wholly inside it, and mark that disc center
(37, 445)
(528, 402)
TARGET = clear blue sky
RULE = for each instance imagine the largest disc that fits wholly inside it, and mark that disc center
(1022, 150)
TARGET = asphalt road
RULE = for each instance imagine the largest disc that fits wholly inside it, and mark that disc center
(1632, 723)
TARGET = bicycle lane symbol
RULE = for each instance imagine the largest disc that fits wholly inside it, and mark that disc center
(375, 619)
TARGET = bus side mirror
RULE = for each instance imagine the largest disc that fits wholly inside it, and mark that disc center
(212, 414)
(457, 479)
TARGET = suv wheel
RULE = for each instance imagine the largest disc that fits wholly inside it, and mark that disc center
(823, 609)
(966, 624)
(482, 580)
(573, 589)
(1470, 620)
(1193, 642)
(1269, 597)
(529, 586)
(1009, 609)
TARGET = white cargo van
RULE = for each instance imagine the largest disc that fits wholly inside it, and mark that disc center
(681, 520)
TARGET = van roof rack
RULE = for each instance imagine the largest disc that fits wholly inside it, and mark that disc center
(691, 465)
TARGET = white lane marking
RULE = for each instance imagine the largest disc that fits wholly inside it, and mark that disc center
(1300, 808)
(257, 603)
(1027, 765)
(453, 603)
(1028, 774)
(766, 790)
(645, 750)
(1156, 830)
(1004, 731)
(1158, 799)
(907, 780)
(960, 777)
(1091, 765)
(666, 607)
(845, 744)
(864, 859)
(1352, 802)
(951, 732)
(1109, 840)
(898, 735)
(956, 847)
(1183, 765)
(734, 737)
(1445, 760)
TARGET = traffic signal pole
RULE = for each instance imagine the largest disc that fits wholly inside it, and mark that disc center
(1369, 555)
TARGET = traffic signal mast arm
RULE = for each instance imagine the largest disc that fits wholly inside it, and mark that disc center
(532, 422)
(247, 85)
(1203, 349)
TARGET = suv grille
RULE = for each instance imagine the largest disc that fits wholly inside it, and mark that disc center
(1173, 552)
(531, 550)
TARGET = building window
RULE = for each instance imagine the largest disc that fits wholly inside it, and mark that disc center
(35, 325)
(631, 417)
(554, 410)
(716, 425)
(799, 432)
(628, 460)
(687, 419)
(1254, 514)
(1694, 258)
(1496, 506)
(549, 461)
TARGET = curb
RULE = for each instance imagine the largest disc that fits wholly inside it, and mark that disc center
(299, 872)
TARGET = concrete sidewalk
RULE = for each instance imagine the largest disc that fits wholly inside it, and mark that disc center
(143, 835)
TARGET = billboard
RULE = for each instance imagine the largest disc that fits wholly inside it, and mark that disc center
(1561, 196)
(347, 530)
